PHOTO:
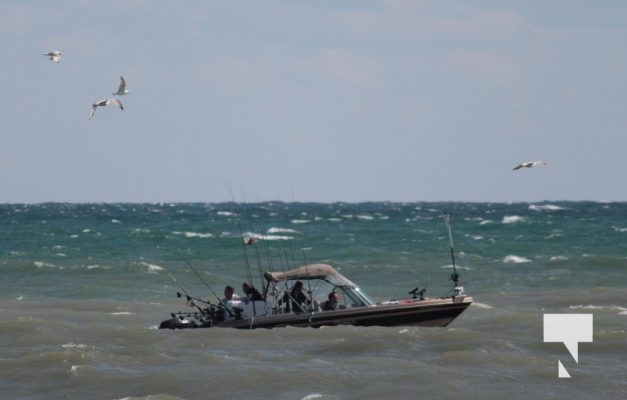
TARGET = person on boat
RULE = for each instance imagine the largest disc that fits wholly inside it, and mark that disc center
(250, 292)
(229, 294)
(298, 299)
(331, 303)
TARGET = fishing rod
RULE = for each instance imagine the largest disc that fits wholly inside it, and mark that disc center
(191, 300)
(447, 221)
(219, 304)
(302, 247)
(266, 247)
(244, 241)
(259, 268)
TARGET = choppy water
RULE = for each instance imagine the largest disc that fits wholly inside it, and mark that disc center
(84, 286)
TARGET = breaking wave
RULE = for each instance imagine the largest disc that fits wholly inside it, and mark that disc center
(512, 259)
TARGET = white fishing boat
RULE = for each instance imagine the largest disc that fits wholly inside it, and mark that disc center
(281, 308)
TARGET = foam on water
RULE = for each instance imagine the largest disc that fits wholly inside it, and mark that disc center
(512, 259)
(545, 207)
(512, 219)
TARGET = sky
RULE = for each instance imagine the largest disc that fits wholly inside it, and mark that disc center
(320, 101)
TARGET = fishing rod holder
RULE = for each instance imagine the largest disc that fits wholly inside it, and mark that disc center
(418, 293)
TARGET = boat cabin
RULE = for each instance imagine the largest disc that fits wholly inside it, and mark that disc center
(318, 280)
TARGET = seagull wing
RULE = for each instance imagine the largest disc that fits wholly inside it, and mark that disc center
(101, 103)
(122, 87)
(116, 102)
(94, 107)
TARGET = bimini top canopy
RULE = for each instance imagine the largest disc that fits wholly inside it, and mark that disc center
(311, 271)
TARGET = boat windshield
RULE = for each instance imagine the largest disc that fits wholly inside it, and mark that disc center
(357, 297)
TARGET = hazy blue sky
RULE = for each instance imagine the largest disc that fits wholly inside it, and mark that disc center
(314, 100)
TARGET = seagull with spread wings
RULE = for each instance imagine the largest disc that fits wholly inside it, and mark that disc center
(104, 102)
(122, 88)
(529, 164)
(54, 55)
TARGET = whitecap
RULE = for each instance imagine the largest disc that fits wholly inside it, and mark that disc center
(559, 258)
(225, 213)
(365, 217)
(621, 310)
(281, 230)
(511, 259)
(266, 237)
(312, 396)
(269, 237)
(545, 207)
(335, 219)
(152, 268)
(73, 345)
(116, 221)
(122, 313)
(450, 266)
(41, 264)
(618, 229)
(193, 234)
(300, 221)
(511, 219)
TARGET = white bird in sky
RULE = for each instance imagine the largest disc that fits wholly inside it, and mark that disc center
(529, 164)
(54, 55)
(104, 102)
(122, 88)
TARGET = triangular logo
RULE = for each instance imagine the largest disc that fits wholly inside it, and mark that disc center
(562, 373)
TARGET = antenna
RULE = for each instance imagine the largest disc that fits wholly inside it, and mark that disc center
(447, 221)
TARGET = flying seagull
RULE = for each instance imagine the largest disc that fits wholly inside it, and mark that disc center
(54, 55)
(104, 102)
(529, 164)
(122, 88)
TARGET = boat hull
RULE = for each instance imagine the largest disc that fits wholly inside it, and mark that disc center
(426, 312)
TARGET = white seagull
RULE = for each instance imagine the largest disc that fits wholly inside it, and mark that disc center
(104, 102)
(122, 88)
(54, 55)
(529, 164)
